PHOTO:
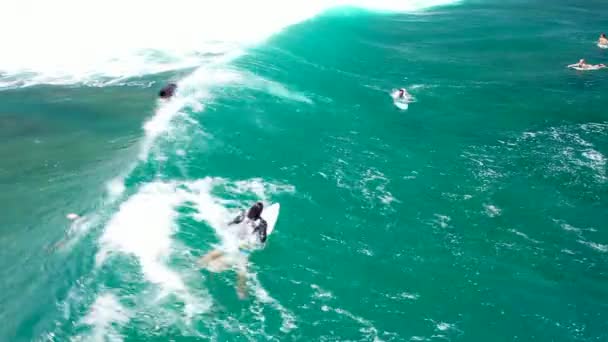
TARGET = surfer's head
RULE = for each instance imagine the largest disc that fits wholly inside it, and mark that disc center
(255, 211)
(603, 35)
(582, 61)
(167, 90)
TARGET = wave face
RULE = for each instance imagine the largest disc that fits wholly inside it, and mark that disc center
(104, 42)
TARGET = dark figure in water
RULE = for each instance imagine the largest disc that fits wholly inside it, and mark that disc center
(167, 91)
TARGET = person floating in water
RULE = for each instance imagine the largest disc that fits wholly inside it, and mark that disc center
(253, 234)
(402, 93)
(603, 40)
(582, 64)
(167, 91)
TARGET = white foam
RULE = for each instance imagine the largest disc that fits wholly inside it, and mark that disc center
(374, 186)
(260, 188)
(143, 228)
(191, 91)
(597, 162)
(274, 88)
(410, 296)
(492, 210)
(72, 216)
(104, 315)
(443, 326)
(523, 235)
(595, 156)
(366, 251)
(570, 228)
(116, 187)
(442, 220)
(288, 320)
(370, 331)
(404, 295)
(81, 44)
(320, 293)
(594, 245)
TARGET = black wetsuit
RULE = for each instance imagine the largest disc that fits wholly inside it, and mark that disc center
(259, 226)
(167, 91)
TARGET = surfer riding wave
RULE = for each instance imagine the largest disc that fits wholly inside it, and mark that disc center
(251, 234)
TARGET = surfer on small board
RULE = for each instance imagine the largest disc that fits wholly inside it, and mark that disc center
(252, 236)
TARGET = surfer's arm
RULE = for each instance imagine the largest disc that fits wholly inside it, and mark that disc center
(260, 229)
(238, 219)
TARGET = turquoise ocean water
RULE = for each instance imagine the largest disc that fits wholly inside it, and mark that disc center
(479, 214)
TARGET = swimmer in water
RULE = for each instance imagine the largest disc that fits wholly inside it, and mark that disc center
(251, 219)
(602, 40)
(167, 91)
(582, 64)
(402, 93)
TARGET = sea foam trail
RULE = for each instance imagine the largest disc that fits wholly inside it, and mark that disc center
(102, 42)
(143, 228)
(105, 313)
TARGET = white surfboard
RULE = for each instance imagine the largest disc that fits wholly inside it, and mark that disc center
(401, 105)
(271, 215)
(588, 68)
(602, 46)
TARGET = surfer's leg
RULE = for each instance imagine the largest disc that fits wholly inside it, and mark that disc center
(241, 286)
(241, 281)
(209, 257)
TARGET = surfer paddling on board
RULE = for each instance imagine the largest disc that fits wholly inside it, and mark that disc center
(254, 228)
(402, 93)
(167, 91)
(603, 40)
(583, 65)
